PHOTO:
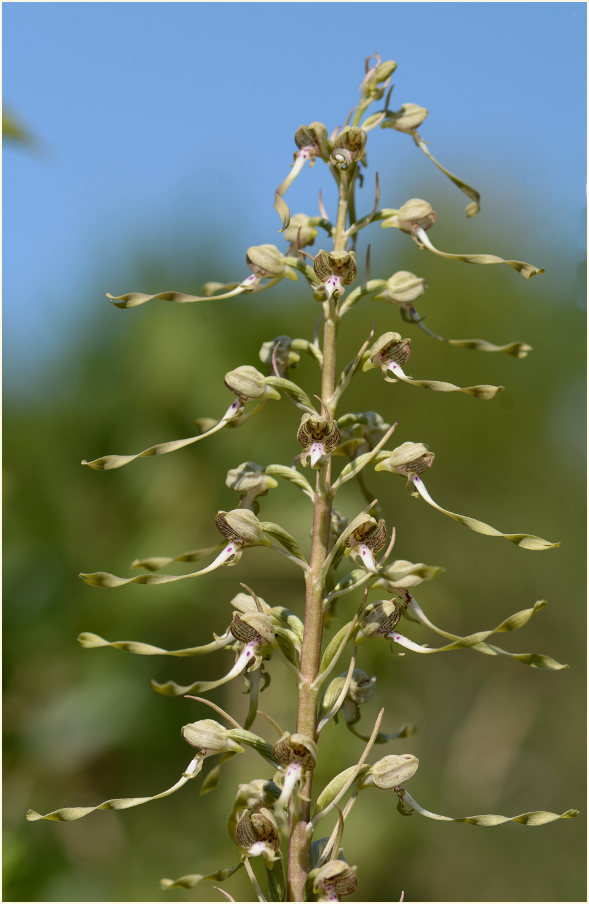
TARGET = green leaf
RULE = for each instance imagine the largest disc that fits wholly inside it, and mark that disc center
(284, 538)
(331, 790)
(193, 879)
(288, 644)
(299, 395)
(293, 476)
(332, 647)
(348, 582)
(276, 883)
(291, 622)
(373, 285)
(303, 345)
(255, 742)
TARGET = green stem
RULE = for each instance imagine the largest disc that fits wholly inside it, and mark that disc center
(299, 852)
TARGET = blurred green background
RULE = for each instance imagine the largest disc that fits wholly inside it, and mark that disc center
(84, 379)
(493, 736)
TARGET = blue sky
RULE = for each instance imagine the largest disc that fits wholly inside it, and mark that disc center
(160, 118)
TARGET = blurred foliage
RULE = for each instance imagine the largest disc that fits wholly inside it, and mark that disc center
(493, 736)
(13, 130)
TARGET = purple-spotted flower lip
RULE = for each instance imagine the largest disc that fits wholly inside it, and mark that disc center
(316, 453)
(367, 556)
(310, 150)
(334, 286)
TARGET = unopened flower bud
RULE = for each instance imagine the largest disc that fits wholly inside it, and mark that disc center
(337, 525)
(245, 603)
(407, 459)
(407, 119)
(240, 525)
(248, 383)
(257, 832)
(250, 480)
(361, 686)
(379, 619)
(361, 431)
(334, 880)
(266, 261)
(390, 347)
(414, 214)
(383, 71)
(299, 233)
(360, 690)
(335, 269)
(403, 288)
(393, 770)
(208, 736)
(255, 794)
(278, 351)
(253, 627)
